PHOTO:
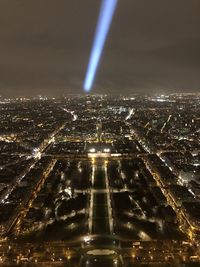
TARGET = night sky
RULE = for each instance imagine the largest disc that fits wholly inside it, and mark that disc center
(153, 46)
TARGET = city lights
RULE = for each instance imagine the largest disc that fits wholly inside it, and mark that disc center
(87, 181)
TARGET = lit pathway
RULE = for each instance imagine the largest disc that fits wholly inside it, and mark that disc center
(100, 211)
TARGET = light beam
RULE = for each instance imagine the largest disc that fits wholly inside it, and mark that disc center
(103, 25)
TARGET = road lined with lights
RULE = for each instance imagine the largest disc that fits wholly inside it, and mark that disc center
(36, 157)
(118, 180)
(100, 200)
(15, 220)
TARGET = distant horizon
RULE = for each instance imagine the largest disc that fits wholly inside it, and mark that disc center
(149, 94)
(69, 90)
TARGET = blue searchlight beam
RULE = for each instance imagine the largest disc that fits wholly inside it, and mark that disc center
(103, 25)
